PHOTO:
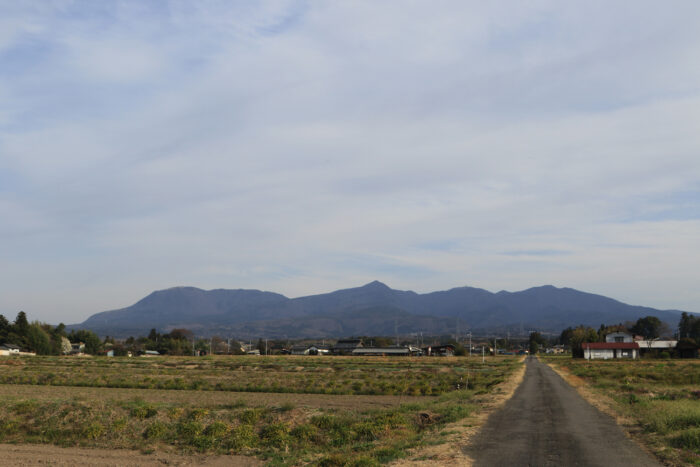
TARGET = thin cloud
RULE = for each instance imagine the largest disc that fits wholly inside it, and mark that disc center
(302, 147)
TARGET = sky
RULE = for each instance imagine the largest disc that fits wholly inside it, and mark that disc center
(302, 147)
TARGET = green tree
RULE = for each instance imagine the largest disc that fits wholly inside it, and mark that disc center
(4, 328)
(535, 341)
(649, 327)
(92, 341)
(689, 326)
(38, 340)
(580, 335)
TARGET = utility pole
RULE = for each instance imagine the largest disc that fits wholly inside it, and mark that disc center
(396, 331)
(265, 346)
(470, 343)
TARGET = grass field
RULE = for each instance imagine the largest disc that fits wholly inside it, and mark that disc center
(662, 397)
(285, 410)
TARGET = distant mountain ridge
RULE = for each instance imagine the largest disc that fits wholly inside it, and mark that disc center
(373, 309)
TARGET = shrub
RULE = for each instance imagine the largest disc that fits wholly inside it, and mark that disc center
(250, 416)
(217, 430)
(119, 424)
(143, 411)
(175, 413)
(155, 430)
(366, 431)
(197, 414)
(93, 430)
(188, 430)
(304, 433)
(241, 437)
(275, 434)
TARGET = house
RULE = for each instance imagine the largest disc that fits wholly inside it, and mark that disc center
(610, 350)
(9, 349)
(77, 347)
(619, 336)
(346, 346)
(439, 350)
(555, 349)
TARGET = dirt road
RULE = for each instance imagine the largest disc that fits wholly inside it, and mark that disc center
(546, 423)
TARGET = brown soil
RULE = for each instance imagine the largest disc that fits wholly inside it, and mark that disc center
(205, 398)
(39, 454)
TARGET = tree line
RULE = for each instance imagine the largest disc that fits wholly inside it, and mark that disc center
(45, 339)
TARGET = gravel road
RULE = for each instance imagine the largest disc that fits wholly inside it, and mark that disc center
(546, 423)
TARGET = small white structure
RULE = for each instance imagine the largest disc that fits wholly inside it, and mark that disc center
(619, 337)
(9, 349)
(657, 344)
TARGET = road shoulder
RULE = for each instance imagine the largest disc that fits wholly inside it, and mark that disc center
(460, 433)
(606, 405)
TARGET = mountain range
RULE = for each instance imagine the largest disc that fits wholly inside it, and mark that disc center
(373, 309)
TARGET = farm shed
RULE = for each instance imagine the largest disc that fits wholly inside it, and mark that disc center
(439, 350)
(610, 350)
(319, 350)
(300, 350)
(656, 345)
(386, 351)
(313, 349)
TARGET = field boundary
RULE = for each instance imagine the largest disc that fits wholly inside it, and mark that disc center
(44, 454)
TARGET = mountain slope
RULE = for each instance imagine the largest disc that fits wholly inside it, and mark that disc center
(373, 309)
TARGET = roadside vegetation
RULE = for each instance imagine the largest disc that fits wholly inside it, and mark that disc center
(662, 397)
(286, 433)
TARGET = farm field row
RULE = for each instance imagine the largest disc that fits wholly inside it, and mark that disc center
(658, 401)
(305, 375)
(204, 399)
(288, 428)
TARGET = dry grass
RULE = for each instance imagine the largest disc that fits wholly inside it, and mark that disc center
(460, 433)
(205, 398)
(292, 428)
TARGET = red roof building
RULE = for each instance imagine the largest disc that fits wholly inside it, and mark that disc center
(610, 350)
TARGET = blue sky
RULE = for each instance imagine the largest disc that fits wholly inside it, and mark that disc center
(302, 147)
